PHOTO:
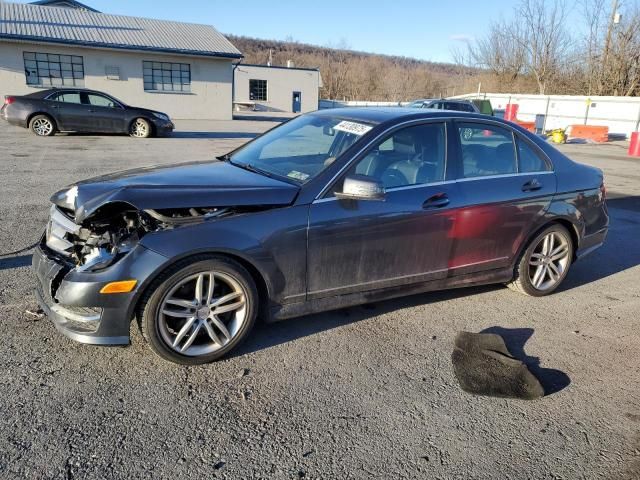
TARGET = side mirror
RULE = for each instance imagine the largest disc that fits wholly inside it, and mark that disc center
(361, 187)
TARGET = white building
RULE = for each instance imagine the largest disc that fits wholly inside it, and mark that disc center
(183, 69)
(276, 89)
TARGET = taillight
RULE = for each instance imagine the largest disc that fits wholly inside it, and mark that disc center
(603, 191)
(9, 100)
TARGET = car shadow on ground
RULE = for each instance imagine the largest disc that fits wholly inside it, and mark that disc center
(621, 250)
(268, 335)
(215, 135)
(15, 262)
(515, 338)
(253, 117)
(175, 134)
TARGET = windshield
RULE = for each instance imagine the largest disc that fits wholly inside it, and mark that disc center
(301, 148)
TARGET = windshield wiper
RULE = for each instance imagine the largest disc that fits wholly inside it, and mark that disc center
(246, 166)
(251, 168)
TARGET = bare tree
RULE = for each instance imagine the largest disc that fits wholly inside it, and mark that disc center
(335, 69)
(593, 13)
(534, 42)
(622, 67)
(498, 52)
(544, 38)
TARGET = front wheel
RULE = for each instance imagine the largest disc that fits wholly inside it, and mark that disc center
(199, 310)
(545, 263)
(140, 128)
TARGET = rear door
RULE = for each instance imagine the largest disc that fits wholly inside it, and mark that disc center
(68, 110)
(507, 185)
(104, 114)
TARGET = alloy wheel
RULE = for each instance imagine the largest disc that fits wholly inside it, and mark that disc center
(548, 261)
(42, 127)
(139, 129)
(202, 313)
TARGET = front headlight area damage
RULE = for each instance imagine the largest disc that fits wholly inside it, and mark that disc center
(113, 230)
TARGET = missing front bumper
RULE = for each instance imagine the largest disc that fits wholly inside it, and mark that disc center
(78, 328)
(73, 302)
(82, 324)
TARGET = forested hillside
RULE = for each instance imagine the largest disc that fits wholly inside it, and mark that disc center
(351, 75)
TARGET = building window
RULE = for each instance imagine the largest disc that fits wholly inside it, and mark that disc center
(258, 90)
(52, 70)
(112, 73)
(166, 77)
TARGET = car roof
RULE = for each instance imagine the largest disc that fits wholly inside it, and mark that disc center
(48, 91)
(391, 114)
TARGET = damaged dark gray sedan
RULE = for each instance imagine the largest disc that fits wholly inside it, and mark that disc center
(331, 209)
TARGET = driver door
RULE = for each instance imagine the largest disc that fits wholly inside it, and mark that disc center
(360, 245)
(104, 114)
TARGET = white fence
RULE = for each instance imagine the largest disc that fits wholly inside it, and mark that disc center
(620, 114)
(354, 103)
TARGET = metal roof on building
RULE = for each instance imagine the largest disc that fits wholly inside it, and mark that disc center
(73, 26)
(64, 4)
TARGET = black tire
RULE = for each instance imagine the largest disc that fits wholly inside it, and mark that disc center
(150, 316)
(140, 128)
(522, 281)
(42, 125)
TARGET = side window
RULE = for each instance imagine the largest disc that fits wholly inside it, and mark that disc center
(410, 156)
(486, 150)
(529, 160)
(67, 97)
(100, 101)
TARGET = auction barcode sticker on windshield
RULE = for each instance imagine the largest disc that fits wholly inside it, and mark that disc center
(352, 127)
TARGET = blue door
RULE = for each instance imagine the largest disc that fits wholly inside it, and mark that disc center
(297, 102)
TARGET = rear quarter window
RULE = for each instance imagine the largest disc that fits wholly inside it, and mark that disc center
(529, 160)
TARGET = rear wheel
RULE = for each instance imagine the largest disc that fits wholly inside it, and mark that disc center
(545, 263)
(42, 125)
(140, 128)
(199, 310)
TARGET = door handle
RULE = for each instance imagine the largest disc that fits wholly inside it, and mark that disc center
(532, 186)
(438, 200)
(91, 110)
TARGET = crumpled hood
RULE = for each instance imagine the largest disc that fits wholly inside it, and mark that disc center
(198, 184)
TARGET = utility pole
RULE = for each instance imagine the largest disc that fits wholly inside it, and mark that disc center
(607, 43)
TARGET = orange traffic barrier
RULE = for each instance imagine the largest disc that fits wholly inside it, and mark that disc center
(634, 145)
(531, 126)
(511, 112)
(589, 132)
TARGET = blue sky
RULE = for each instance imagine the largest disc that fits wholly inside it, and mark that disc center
(424, 29)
